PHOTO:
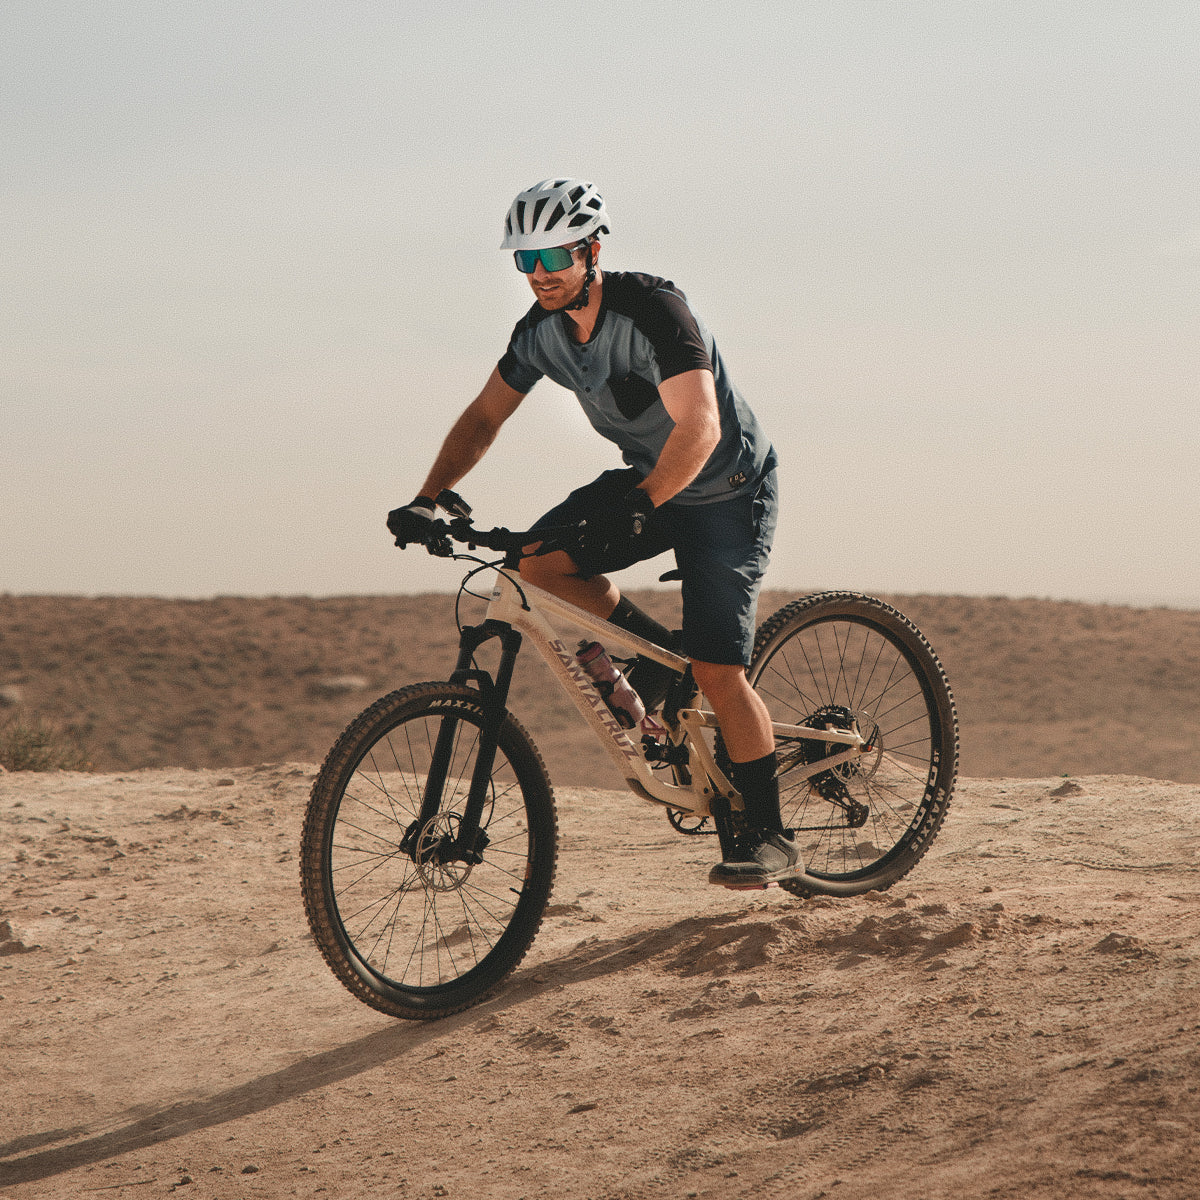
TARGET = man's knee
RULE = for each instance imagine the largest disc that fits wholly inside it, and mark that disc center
(544, 569)
(718, 679)
(532, 567)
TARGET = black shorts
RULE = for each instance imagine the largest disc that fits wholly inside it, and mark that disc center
(721, 550)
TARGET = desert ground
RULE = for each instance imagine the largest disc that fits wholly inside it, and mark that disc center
(1016, 1018)
(1043, 687)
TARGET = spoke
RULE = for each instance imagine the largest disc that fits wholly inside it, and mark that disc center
(846, 663)
(380, 905)
(464, 908)
(347, 886)
(354, 825)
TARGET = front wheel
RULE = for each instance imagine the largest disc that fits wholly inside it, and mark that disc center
(412, 918)
(837, 661)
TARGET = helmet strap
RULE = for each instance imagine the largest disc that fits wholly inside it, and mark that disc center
(581, 301)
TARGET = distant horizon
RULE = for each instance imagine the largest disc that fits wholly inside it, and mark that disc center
(1181, 604)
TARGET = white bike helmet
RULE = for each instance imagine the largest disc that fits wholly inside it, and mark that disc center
(553, 213)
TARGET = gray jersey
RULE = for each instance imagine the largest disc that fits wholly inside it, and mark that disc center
(646, 332)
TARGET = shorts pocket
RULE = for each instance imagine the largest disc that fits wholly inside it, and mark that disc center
(765, 511)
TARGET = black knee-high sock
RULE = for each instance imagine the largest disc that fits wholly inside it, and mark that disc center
(760, 791)
(651, 680)
(629, 617)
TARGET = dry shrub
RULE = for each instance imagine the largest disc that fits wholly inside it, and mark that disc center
(30, 743)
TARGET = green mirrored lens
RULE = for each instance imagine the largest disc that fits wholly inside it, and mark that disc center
(555, 258)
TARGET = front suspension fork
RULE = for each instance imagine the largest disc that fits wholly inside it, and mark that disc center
(494, 695)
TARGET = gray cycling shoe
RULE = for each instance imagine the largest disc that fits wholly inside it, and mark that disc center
(766, 858)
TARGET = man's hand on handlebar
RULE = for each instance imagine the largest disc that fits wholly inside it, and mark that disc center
(412, 524)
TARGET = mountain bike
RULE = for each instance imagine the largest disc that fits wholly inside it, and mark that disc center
(429, 844)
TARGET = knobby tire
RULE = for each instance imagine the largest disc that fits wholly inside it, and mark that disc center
(840, 656)
(405, 926)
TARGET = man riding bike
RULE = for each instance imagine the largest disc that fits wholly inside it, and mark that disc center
(700, 478)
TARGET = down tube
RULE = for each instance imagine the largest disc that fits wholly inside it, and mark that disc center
(509, 605)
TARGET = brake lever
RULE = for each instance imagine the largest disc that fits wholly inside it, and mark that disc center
(437, 540)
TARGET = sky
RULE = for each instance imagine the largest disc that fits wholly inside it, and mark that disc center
(250, 269)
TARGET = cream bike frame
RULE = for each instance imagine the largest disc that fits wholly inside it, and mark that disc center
(529, 610)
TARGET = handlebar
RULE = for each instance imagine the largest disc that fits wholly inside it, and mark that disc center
(510, 543)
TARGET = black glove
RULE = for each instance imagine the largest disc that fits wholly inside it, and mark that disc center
(412, 524)
(636, 512)
(619, 527)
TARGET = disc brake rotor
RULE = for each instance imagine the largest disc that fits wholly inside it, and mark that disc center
(438, 864)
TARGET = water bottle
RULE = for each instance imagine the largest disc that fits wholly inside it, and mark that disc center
(624, 703)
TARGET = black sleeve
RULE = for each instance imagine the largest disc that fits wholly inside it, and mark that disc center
(671, 328)
(515, 369)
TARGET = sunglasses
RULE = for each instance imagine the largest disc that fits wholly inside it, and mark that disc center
(554, 258)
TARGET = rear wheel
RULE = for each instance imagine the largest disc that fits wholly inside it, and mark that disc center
(412, 921)
(839, 660)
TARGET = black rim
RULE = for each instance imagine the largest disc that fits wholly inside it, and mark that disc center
(411, 917)
(853, 820)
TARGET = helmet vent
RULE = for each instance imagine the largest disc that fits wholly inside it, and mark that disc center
(553, 212)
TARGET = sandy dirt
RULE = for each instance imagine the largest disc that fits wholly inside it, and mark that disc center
(1017, 1018)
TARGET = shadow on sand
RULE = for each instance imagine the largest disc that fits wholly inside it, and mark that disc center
(737, 937)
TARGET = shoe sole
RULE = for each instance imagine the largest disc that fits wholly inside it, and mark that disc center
(759, 883)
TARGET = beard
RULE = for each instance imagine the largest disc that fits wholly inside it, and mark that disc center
(559, 297)
(559, 301)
